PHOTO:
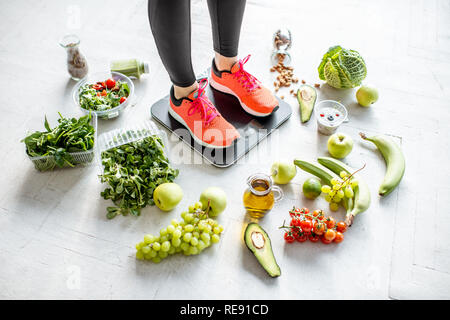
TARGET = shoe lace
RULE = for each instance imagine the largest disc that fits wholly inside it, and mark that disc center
(202, 104)
(248, 81)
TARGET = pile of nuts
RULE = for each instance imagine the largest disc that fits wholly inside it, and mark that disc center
(286, 76)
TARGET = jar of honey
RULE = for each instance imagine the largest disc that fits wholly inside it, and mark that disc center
(259, 198)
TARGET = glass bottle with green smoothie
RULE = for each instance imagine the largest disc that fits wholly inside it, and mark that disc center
(130, 67)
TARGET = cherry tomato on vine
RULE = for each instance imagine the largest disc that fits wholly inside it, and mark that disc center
(313, 237)
(289, 237)
(319, 227)
(316, 213)
(339, 237)
(302, 237)
(331, 223)
(324, 241)
(306, 225)
(305, 210)
(341, 227)
(329, 235)
(295, 222)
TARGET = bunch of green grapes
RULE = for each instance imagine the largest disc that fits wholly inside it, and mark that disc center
(339, 189)
(191, 236)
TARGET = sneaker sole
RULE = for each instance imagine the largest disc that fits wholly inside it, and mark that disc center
(177, 117)
(224, 89)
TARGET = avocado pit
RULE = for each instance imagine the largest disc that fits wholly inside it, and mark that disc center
(258, 239)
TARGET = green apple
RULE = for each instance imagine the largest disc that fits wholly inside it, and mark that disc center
(167, 196)
(283, 172)
(216, 198)
(339, 145)
(366, 95)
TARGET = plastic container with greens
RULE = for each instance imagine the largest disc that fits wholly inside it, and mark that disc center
(66, 142)
(133, 162)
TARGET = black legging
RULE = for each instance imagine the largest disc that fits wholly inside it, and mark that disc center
(170, 21)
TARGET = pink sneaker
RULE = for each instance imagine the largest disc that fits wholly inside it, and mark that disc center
(206, 125)
(254, 98)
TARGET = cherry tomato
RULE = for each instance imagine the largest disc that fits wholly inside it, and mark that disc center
(297, 210)
(341, 227)
(305, 210)
(97, 86)
(319, 228)
(339, 237)
(306, 225)
(329, 235)
(302, 237)
(289, 237)
(316, 213)
(313, 237)
(324, 241)
(123, 99)
(295, 222)
(331, 223)
(104, 93)
(110, 83)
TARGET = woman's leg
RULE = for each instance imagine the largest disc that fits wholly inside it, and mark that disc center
(170, 21)
(227, 72)
(226, 19)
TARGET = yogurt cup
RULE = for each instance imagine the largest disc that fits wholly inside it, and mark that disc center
(329, 114)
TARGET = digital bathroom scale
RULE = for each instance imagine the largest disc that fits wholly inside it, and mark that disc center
(252, 129)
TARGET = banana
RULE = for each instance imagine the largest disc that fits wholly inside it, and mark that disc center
(395, 162)
(361, 199)
(324, 174)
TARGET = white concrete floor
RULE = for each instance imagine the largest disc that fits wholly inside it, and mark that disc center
(55, 241)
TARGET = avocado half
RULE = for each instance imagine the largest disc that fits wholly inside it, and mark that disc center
(306, 96)
(259, 244)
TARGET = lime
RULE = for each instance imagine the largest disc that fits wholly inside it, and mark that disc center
(312, 188)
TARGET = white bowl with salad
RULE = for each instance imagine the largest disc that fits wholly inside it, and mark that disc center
(106, 94)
